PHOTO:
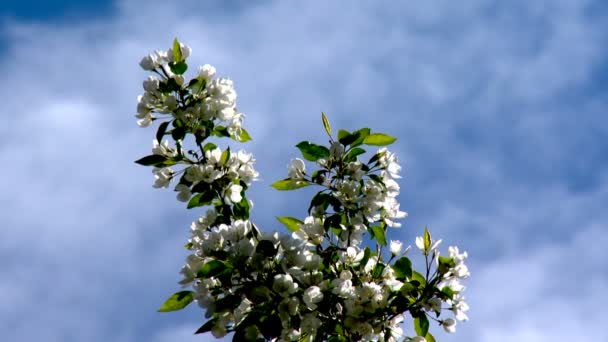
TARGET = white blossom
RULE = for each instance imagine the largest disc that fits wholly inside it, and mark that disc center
(449, 325)
(312, 296)
(206, 72)
(162, 177)
(184, 193)
(395, 247)
(297, 169)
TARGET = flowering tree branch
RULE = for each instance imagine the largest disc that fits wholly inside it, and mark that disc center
(321, 282)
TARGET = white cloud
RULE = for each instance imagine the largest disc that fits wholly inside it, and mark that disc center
(84, 230)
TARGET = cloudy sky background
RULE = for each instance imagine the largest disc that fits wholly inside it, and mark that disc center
(500, 111)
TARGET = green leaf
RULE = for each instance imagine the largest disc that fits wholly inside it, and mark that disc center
(162, 128)
(416, 276)
(178, 133)
(350, 138)
(367, 253)
(429, 338)
(199, 200)
(290, 184)
(244, 137)
(153, 159)
(293, 224)
(362, 133)
(211, 268)
(427, 239)
(177, 301)
(342, 133)
(445, 263)
(377, 272)
(447, 292)
(225, 156)
(206, 327)
(177, 50)
(421, 325)
(379, 234)
(379, 139)
(241, 209)
(220, 131)
(270, 327)
(376, 178)
(312, 152)
(178, 68)
(266, 248)
(403, 268)
(209, 147)
(352, 155)
(326, 124)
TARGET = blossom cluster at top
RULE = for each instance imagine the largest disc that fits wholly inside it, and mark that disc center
(322, 281)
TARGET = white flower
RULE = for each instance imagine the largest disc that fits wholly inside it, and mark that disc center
(144, 120)
(184, 192)
(151, 84)
(417, 339)
(297, 169)
(206, 72)
(213, 156)
(312, 296)
(234, 193)
(149, 62)
(284, 284)
(162, 177)
(459, 307)
(352, 256)
(389, 162)
(395, 247)
(310, 323)
(336, 150)
(170, 103)
(449, 325)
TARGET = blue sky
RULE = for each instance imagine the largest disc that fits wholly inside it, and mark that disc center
(500, 111)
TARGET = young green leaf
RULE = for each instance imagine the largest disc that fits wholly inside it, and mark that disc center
(199, 200)
(290, 184)
(352, 155)
(403, 268)
(209, 147)
(225, 156)
(177, 301)
(177, 50)
(206, 327)
(326, 124)
(379, 139)
(427, 239)
(312, 152)
(362, 133)
(153, 159)
(162, 128)
(349, 139)
(266, 248)
(178, 68)
(379, 234)
(293, 224)
(421, 325)
(342, 133)
(244, 136)
(211, 268)
(429, 338)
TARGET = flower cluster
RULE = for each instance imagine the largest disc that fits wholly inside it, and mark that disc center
(322, 281)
